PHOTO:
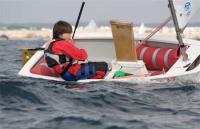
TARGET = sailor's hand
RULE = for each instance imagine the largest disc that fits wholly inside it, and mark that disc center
(85, 61)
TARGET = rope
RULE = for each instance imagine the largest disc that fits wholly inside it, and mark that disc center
(157, 29)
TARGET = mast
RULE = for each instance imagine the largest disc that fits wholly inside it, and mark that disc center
(178, 31)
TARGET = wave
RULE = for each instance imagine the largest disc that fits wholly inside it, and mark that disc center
(105, 105)
(13, 92)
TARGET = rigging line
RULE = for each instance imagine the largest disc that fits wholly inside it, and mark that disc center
(158, 28)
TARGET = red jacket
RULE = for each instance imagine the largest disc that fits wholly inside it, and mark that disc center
(70, 50)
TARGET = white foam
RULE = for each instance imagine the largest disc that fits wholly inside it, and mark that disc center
(93, 30)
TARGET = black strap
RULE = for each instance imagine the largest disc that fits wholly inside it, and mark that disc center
(82, 69)
(91, 65)
(36, 49)
(62, 59)
(67, 68)
(179, 50)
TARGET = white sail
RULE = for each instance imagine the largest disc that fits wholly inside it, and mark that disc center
(185, 9)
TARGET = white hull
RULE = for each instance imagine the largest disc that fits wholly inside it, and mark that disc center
(97, 52)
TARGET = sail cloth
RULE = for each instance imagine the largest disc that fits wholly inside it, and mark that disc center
(185, 9)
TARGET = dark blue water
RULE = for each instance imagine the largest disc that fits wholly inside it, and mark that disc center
(27, 103)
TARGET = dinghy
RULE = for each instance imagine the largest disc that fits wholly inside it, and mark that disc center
(152, 58)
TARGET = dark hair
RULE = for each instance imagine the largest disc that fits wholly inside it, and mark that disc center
(60, 28)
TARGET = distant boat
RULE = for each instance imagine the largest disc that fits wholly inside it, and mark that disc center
(153, 58)
(142, 29)
(91, 27)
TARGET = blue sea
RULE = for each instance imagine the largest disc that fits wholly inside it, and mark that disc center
(27, 103)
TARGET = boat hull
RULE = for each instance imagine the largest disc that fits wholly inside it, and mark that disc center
(96, 48)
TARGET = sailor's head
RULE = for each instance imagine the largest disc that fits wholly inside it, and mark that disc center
(62, 30)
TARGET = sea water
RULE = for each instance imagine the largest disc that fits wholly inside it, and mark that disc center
(27, 103)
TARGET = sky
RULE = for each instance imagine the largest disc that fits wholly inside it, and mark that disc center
(50, 11)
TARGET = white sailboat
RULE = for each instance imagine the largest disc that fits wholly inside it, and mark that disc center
(141, 29)
(146, 58)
